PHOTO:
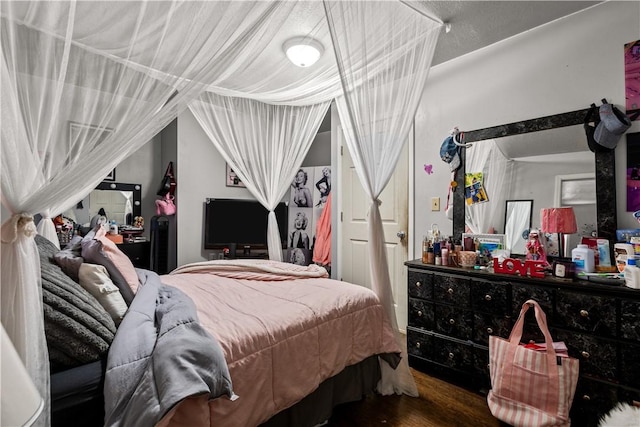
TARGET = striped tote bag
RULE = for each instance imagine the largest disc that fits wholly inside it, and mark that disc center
(530, 388)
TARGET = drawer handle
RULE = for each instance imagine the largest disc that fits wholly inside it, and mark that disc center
(586, 397)
(418, 284)
(419, 313)
(487, 297)
(489, 331)
(452, 321)
(450, 290)
(488, 366)
(584, 313)
(585, 354)
(451, 355)
(418, 344)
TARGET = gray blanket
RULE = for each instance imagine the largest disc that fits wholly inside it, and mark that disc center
(159, 356)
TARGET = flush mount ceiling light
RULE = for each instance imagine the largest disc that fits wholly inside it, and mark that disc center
(303, 51)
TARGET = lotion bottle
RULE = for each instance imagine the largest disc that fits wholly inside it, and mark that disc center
(632, 274)
(584, 259)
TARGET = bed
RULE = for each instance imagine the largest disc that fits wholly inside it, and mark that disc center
(261, 343)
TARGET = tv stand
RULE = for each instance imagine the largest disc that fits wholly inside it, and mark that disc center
(254, 255)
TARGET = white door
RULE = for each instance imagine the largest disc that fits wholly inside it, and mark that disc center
(354, 252)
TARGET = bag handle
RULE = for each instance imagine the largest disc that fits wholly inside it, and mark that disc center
(541, 318)
(553, 390)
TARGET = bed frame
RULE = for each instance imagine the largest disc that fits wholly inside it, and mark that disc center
(76, 394)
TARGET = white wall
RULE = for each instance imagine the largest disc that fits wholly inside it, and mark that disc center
(140, 168)
(201, 174)
(563, 66)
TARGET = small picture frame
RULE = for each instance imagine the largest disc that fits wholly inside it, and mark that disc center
(111, 177)
(487, 243)
(232, 179)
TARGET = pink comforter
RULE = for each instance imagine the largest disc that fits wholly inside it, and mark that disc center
(282, 335)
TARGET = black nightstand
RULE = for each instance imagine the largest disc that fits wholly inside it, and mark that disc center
(138, 252)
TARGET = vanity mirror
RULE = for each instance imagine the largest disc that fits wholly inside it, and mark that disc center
(542, 142)
(120, 201)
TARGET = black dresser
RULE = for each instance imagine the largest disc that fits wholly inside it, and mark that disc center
(453, 311)
(138, 252)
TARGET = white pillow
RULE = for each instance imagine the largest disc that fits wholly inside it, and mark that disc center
(95, 280)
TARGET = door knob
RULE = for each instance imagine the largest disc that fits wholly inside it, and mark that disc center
(401, 235)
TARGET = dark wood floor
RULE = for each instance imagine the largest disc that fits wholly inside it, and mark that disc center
(440, 404)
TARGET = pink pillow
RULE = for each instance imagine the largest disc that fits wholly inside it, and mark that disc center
(119, 259)
(98, 249)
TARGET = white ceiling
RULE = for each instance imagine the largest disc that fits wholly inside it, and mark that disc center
(476, 24)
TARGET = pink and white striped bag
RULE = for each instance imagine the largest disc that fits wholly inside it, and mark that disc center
(530, 388)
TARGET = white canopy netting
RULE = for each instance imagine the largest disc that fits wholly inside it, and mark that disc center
(86, 84)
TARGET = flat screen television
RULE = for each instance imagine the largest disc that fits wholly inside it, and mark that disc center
(240, 221)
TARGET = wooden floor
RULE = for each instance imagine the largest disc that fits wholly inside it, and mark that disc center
(440, 404)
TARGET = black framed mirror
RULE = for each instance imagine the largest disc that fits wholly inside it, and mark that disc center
(604, 169)
(121, 201)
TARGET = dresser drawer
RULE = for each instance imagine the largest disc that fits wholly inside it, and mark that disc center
(630, 320)
(489, 297)
(598, 357)
(629, 395)
(419, 344)
(543, 296)
(586, 312)
(453, 354)
(420, 284)
(421, 314)
(139, 253)
(592, 400)
(485, 325)
(451, 290)
(630, 365)
(454, 322)
(481, 364)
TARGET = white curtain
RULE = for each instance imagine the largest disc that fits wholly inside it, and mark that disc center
(377, 111)
(486, 157)
(264, 144)
(83, 85)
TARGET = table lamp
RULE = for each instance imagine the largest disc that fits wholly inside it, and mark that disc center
(20, 402)
(561, 221)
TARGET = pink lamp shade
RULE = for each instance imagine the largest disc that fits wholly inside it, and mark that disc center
(558, 220)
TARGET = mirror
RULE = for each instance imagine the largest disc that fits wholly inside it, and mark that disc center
(543, 142)
(517, 220)
(121, 202)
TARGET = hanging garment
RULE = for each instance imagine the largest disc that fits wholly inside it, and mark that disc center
(322, 247)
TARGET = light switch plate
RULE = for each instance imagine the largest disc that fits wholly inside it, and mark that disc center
(435, 203)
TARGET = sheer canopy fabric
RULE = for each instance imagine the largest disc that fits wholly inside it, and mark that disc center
(264, 144)
(486, 157)
(85, 84)
(376, 110)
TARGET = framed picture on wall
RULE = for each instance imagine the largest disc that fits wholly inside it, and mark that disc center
(232, 179)
(112, 176)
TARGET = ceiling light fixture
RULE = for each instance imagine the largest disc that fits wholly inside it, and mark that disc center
(303, 51)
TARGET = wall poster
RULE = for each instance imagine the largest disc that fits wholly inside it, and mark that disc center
(633, 172)
(474, 191)
(632, 78)
(309, 191)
